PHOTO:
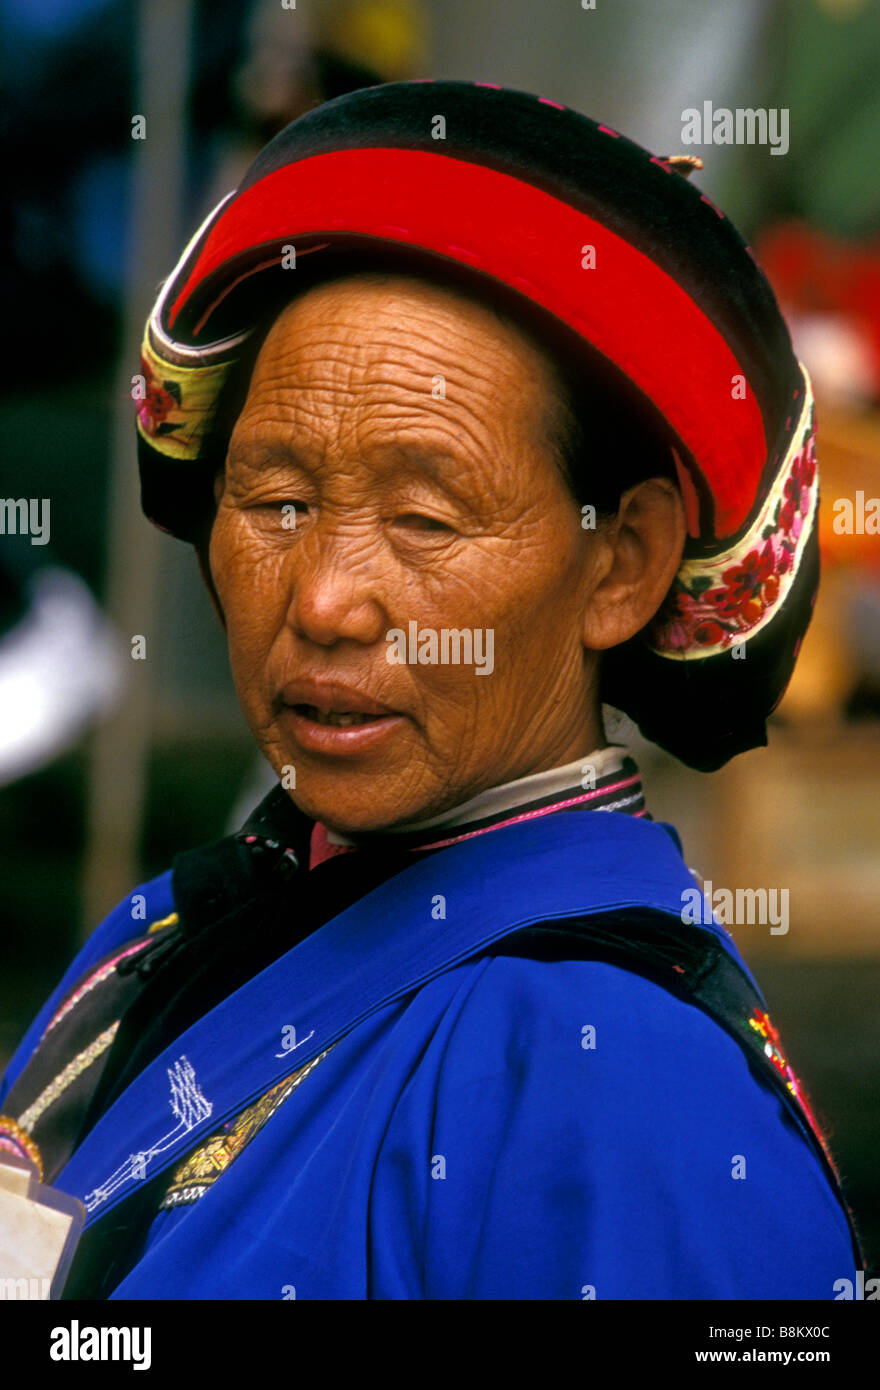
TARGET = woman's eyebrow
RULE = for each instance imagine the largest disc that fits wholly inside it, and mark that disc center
(446, 469)
(264, 453)
(443, 468)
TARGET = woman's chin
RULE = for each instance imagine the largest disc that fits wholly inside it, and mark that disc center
(351, 811)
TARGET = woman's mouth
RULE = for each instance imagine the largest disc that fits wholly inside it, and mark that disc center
(339, 731)
(341, 719)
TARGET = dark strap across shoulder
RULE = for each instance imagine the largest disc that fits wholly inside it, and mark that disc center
(692, 964)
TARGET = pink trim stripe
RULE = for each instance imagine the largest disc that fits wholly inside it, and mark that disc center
(90, 982)
(532, 815)
(320, 847)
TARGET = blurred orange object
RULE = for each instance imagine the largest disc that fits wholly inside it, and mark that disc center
(848, 448)
(815, 274)
(828, 666)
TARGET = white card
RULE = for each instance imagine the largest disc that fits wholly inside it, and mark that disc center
(39, 1231)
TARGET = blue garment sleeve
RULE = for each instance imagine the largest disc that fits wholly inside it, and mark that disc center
(585, 1134)
(117, 927)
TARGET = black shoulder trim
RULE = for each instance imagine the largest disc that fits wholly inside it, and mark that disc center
(693, 964)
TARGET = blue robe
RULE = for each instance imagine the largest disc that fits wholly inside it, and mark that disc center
(479, 1125)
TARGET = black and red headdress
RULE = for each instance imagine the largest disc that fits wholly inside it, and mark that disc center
(599, 236)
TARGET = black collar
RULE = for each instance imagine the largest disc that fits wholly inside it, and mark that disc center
(266, 853)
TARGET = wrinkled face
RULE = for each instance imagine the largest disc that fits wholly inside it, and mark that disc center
(389, 479)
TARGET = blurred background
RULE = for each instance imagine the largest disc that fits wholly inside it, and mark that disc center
(108, 764)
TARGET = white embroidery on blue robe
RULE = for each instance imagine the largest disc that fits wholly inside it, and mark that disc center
(288, 1040)
(189, 1107)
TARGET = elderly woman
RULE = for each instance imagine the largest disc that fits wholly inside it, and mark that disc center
(477, 415)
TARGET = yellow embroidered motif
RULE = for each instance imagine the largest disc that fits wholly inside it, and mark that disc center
(175, 409)
(169, 921)
(204, 1166)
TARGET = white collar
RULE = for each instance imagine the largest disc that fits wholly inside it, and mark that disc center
(508, 795)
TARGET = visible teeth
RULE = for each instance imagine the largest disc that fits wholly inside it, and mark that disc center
(339, 718)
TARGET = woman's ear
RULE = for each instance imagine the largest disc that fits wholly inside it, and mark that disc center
(641, 555)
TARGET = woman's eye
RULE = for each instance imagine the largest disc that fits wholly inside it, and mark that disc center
(423, 523)
(291, 510)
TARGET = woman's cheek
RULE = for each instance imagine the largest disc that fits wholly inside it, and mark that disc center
(247, 565)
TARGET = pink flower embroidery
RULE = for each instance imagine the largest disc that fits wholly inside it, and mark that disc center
(161, 398)
(751, 586)
(708, 610)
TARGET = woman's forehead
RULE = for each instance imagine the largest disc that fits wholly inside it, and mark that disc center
(366, 343)
(403, 311)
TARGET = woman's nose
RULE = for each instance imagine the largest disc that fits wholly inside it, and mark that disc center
(335, 592)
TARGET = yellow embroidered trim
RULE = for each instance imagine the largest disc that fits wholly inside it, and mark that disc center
(176, 407)
(64, 1078)
(15, 1131)
(169, 921)
(720, 601)
(205, 1165)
